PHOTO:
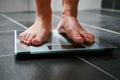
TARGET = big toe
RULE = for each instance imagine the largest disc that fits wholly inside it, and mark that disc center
(78, 39)
(37, 40)
(88, 37)
(75, 36)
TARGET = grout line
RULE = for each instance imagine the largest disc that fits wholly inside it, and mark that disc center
(95, 27)
(6, 55)
(14, 21)
(110, 10)
(113, 5)
(110, 75)
(92, 26)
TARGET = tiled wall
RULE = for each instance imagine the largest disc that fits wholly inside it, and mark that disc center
(29, 5)
(111, 4)
(83, 5)
(13, 5)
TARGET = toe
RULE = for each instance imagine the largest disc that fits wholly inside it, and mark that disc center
(75, 36)
(40, 38)
(21, 35)
(37, 40)
(92, 37)
(29, 39)
(26, 38)
(85, 36)
(78, 39)
(22, 39)
(88, 37)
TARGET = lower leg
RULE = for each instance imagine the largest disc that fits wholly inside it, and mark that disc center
(69, 7)
(70, 23)
(39, 31)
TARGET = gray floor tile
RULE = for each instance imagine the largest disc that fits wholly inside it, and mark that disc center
(27, 19)
(60, 69)
(99, 18)
(7, 25)
(48, 69)
(6, 43)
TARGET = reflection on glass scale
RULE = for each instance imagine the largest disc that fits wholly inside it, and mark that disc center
(60, 43)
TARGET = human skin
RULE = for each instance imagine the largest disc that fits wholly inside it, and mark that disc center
(40, 30)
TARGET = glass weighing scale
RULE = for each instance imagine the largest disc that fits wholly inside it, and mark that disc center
(60, 43)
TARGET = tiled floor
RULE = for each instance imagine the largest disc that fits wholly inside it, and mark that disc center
(104, 19)
(93, 66)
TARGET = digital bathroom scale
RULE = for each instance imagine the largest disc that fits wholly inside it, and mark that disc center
(60, 43)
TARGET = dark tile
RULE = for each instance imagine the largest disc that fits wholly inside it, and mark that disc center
(107, 4)
(117, 4)
(102, 19)
(22, 16)
(48, 69)
(62, 69)
(106, 35)
(7, 25)
(6, 43)
(108, 61)
(28, 18)
(99, 18)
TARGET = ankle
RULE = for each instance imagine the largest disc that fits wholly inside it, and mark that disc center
(44, 16)
(68, 16)
(69, 13)
(46, 13)
(70, 8)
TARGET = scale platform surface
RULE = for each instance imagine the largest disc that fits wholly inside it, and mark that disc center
(60, 43)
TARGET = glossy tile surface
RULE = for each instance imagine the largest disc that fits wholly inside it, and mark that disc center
(6, 43)
(49, 69)
(99, 18)
(64, 67)
(7, 25)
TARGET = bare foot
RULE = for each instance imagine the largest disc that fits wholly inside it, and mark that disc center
(74, 30)
(37, 33)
